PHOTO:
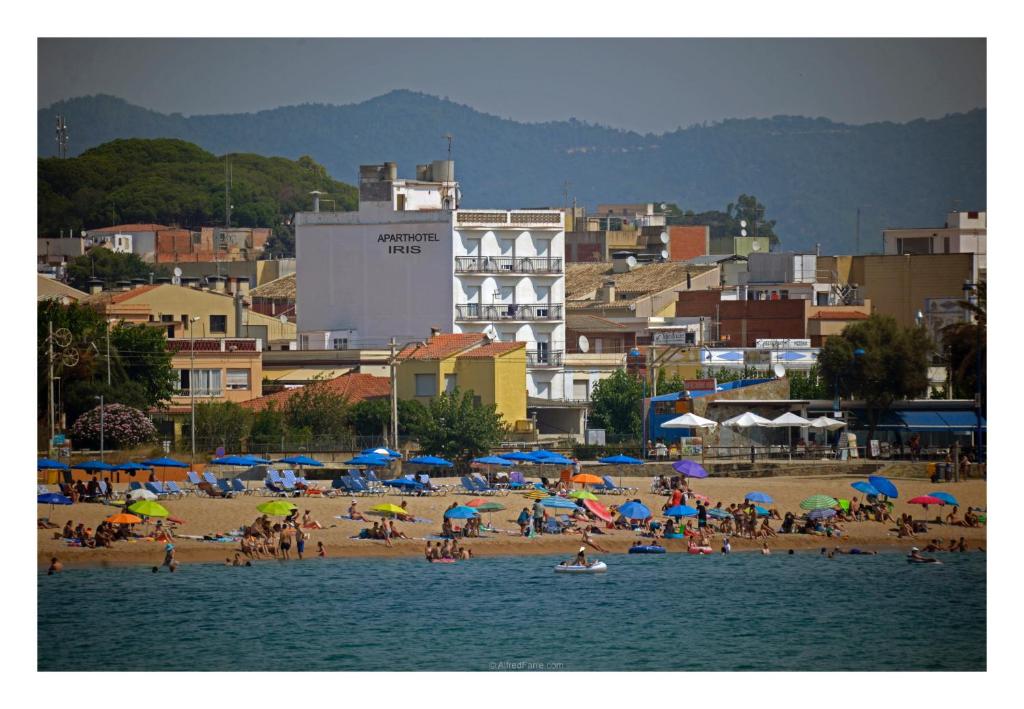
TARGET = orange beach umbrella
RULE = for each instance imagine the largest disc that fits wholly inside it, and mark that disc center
(123, 518)
(587, 479)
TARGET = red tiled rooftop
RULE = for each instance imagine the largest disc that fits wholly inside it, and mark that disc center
(495, 349)
(839, 315)
(354, 386)
(442, 346)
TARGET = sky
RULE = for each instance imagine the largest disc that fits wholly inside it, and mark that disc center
(647, 85)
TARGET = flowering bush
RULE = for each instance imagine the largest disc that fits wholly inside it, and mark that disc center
(123, 427)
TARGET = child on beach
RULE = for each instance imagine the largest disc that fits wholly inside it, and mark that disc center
(320, 551)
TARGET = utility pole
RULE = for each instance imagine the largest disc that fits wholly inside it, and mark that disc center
(108, 353)
(102, 426)
(394, 395)
(53, 429)
(192, 382)
(857, 252)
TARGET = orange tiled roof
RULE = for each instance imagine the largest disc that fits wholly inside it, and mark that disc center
(442, 346)
(354, 386)
(839, 315)
(494, 349)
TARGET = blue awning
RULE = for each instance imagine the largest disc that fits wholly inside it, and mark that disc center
(921, 421)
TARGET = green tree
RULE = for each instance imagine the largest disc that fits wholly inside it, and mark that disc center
(807, 385)
(222, 423)
(964, 341)
(454, 426)
(143, 359)
(109, 267)
(878, 361)
(372, 417)
(723, 224)
(615, 405)
(268, 426)
(316, 411)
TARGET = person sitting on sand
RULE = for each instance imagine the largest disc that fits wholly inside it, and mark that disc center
(353, 513)
(405, 515)
(396, 533)
(589, 540)
(308, 522)
(905, 530)
(670, 528)
(446, 528)
(765, 530)
(787, 524)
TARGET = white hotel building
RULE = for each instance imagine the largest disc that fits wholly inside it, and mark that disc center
(410, 260)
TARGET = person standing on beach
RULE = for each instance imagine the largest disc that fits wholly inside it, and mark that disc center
(538, 516)
(169, 561)
(300, 542)
(702, 516)
(285, 545)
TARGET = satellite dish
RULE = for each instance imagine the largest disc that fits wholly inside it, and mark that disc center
(756, 246)
(632, 306)
(664, 255)
(743, 223)
(283, 318)
(584, 344)
(664, 237)
(631, 261)
(743, 232)
(177, 272)
(779, 370)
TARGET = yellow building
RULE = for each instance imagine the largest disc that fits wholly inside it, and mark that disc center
(494, 371)
(52, 289)
(173, 307)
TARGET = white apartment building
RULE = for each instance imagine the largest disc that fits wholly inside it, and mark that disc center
(410, 261)
(963, 232)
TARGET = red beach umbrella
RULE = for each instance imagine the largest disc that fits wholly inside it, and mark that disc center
(599, 510)
(476, 502)
(926, 500)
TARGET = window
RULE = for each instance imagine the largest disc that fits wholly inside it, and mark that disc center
(207, 382)
(238, 379)
(426, 385)
(476, 401)
(579, 389)
(544, 390)
(166, 318)
(449, 383)
(945, 245)
(339, 343)
(219, 323)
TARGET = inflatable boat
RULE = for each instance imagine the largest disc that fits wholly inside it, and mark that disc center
(700, 550)
(912, 560)
(442, 561)
(594, 568)
(649, 549)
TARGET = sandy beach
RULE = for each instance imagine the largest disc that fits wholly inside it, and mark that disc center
(205, 516)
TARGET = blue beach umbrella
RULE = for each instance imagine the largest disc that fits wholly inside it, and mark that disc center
(93, 466)
(47, 464)
(558, 503)
(239, 460)
(520, 456)
(634, 510)
(553, 459)
(461, 512)
(681, 511)
(821, 514)
(620, 460)
(381, 451)
(865, 487)
(53, 498)
(716, 513)
(758, 497)
(301, 460)
(372, 460)
(432, 460)
(132, 467)
(884, 486)
(761, 512)
(491, 460)
(689, 469)
(164, 463)
(403, 482)
(946, 497)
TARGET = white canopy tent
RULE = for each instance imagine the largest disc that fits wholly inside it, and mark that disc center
(789, 420)
(690, 421)
(747, 420)
(827, 423)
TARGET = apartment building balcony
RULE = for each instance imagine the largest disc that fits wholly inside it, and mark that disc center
(491, 218)
(508, 264)
(513, 311)
(535, 359)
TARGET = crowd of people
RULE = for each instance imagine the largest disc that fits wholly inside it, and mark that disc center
(447, 549)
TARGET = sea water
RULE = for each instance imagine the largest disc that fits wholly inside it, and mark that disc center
(665, 612)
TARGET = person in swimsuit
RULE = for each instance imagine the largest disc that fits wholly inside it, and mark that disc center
(169, 560)
(385, 533)
(726, 546)
(285, 544)
(300, 541)
(428, 551)
(320, 551)
(588, 539)
(308, 522)
(55, 566)
(581, 558)
(765, 551)
(355, 514)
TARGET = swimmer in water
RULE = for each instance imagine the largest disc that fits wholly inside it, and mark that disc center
(765, 551)
(726, 547)
(915, 555)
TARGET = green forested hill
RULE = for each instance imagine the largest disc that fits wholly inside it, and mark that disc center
(173, 182)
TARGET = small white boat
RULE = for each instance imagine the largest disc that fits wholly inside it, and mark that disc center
(595, 567)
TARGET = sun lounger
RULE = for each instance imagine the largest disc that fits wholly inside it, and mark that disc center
(210, 478)
(613, 489)
(156, 488)
(210, 490)
(174, 490)
(274, 489)
(225, 488)
(193, 480)
(239, 487)
(134, 485)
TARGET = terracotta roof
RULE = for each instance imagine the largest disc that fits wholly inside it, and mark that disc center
(354, 386)
(283, 287)
(494, 349)
(120, 228)
(442, 346)
(583, 279)
(111, 297)
(839, 315)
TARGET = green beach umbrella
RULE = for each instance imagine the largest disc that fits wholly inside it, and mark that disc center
(148, 508)
(490, 507)
(819, 502)
(845, 504)
(276, 508)
(583, 495)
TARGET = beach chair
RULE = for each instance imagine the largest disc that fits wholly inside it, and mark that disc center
(373, 481)
(272, 489)
(174, 490)
(156, 489)
(358, 486)
(134, 485)
(484, 488)
(210, 490)
(210, 478)
(225, 488)
(468, 485)
(552, 526)
(193, 480)
(42, 490)
(614, 489)
(239, 487)
(517, 481)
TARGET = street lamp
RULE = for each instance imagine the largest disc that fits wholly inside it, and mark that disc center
(635, 353)
(978, 442)
(191, 382)
(102, 424)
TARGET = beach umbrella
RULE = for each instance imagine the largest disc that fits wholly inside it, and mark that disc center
(554, 459)
(275, 508)
(432, 461)
(746, 420)
(757, 497)
(703, 498)
(558, 503)
(301, 460)
(865, 487)
(926, 500)
(536, 494)
(403, 482)
(678, 511)
(242, 461)
(599, 510)
(689, 469)
(761, 511)
(93, 466)
(817, 502)
(140, 494)
(164, 463)
(53, 498)
(47, 464)
(789, 419)
(132, 467)
(476, 502)
(884, 486)
(582, 495)
(148, 508)
(946, 497)
(690, 420)
(384, 452)
(489, 507)
(369, 460)
(634, 510)
(620, 460)
(827, 423)
(716, 513)
(587, 479)
(491, 460)
(123, 518)
(460, 512)
(520, 456)
(821, 514)
(387, 509)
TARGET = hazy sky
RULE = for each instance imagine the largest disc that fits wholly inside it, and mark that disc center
(640, 84)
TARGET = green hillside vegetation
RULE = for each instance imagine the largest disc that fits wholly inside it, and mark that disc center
(173, 182)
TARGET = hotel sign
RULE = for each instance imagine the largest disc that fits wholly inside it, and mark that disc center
(781, 344)
(407, 243)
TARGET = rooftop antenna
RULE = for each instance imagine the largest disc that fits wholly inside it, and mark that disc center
(62, 136)
(449, 137)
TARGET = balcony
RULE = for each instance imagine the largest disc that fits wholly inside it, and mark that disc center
(543, 359)
(508, 264)
(497, 311)
(484, 218)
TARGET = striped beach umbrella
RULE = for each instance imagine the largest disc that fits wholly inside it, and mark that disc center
(818, 502)
(536, 494)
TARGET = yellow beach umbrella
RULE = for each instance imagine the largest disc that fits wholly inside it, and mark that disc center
(387, 509)
(276, 508)
(583, 495)
(148, 508)
(536, 494)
